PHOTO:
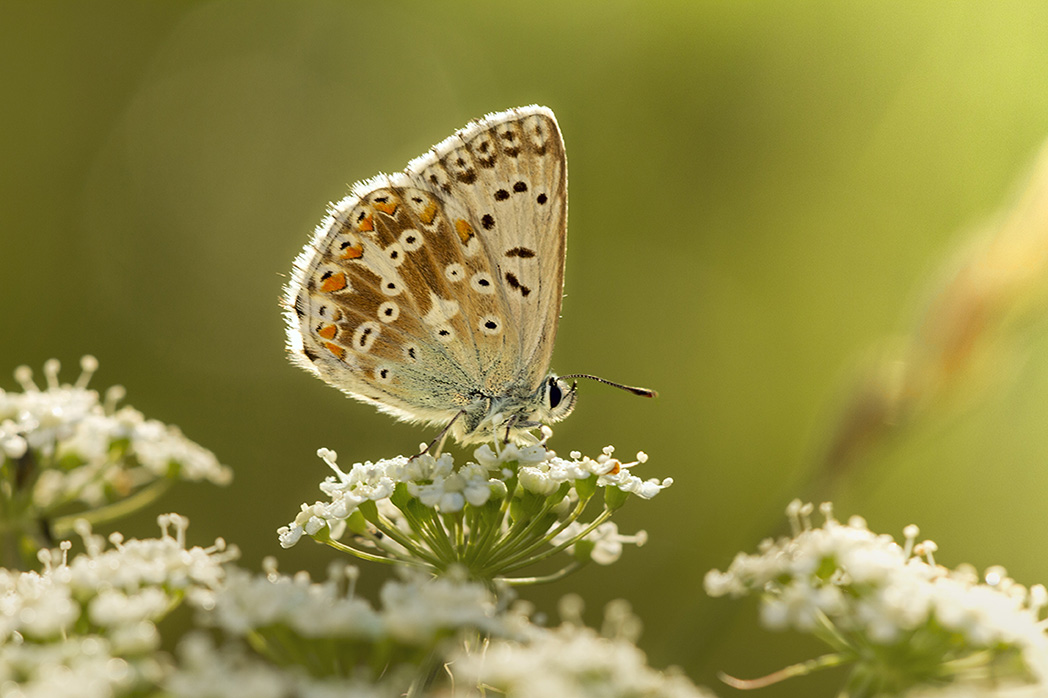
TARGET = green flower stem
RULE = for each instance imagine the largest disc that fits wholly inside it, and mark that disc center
(438, 538)
(530, 581)
(445, 534)
(802, 669)
(521, 559)
(277, 643)
(512, 487)
(414, 552)
(572, 517)
(459, 531)
(20, 526)
(860, 685)
(387, 528)
(63, 525)
(494, 533)
(427, 672)
(489, 533)
(367, 556)
(832, 636)
(967, 663)
(420, 519)
(521, 537)
(478, 534)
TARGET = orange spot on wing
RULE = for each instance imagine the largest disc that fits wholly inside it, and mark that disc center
(366, 224)
(387, 207)
(335, 349)
(335, 282)
(328, 331)
(353, 252)
(428, 213)
(464, 230)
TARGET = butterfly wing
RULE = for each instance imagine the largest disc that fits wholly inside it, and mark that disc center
(425, 291)
(509, 172)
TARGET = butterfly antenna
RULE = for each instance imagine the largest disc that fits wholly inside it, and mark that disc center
(643, 392)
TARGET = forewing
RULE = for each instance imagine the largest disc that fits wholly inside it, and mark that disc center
(505, 180)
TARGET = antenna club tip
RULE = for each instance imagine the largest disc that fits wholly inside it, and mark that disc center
(643, 392)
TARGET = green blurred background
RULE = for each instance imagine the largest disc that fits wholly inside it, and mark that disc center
(759, 195)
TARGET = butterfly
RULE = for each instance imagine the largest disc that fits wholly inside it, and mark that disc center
(434, 293)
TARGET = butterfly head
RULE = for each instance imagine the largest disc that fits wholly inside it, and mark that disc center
(514, 415)
(558, 398)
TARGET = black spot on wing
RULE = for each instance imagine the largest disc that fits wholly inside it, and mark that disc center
(514, 283)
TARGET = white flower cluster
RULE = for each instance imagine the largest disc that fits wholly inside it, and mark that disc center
(83, 666)
(569, 661)
(89, 624)
(438, 484)
(417, 609)
(249, 602)
(324, 629)
(545, 473)
(230, 671)
(605, 540)
(87, 449)
(855, 588)
(413, 611)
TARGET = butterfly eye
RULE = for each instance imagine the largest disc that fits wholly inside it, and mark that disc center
(555, 394)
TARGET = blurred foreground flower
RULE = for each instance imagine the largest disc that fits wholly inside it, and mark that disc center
(997, 283)
(900, 620)
(88, 626)
(290, 637)
(325, 630)
(570, 660)
(66, 454)
(233, 671)
(512, 507)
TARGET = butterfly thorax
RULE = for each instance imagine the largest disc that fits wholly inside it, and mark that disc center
(515, 413)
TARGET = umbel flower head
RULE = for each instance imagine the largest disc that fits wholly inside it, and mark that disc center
(66, 453)
(569, 660)
(507, 509)
(443, 636)
(902, 621)
(87, 626)
(325, 629)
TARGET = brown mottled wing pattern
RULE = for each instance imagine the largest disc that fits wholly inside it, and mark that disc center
(426, 290)
(508, 173)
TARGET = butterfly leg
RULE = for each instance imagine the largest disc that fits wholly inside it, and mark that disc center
(441, 438)
(509, 426)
